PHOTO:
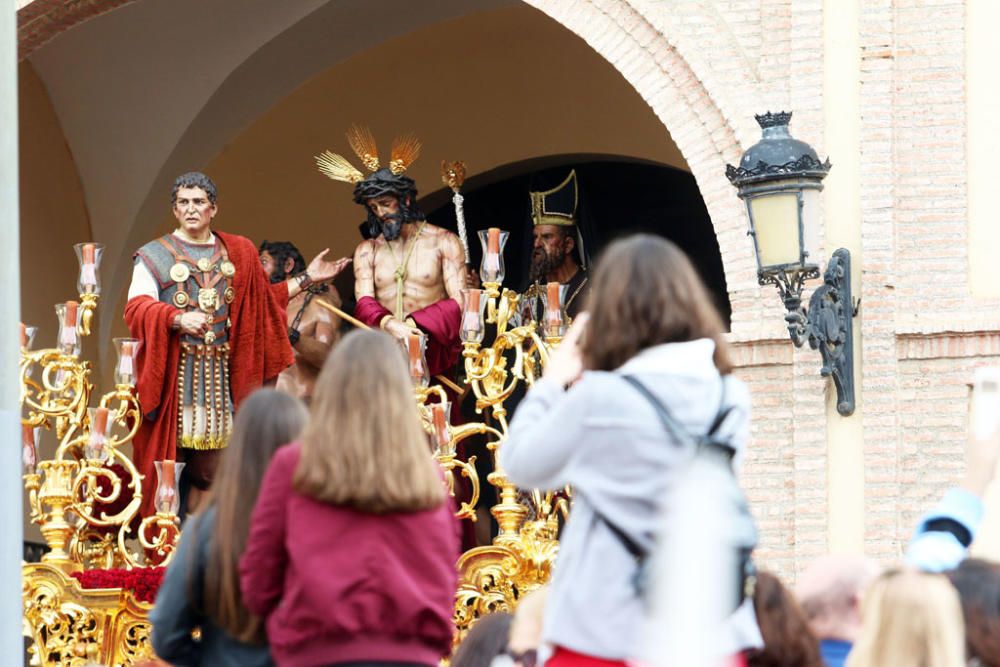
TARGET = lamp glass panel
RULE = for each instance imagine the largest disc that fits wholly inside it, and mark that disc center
(812, 203)
(776, 225)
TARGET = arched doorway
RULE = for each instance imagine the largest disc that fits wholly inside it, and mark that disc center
(620, 197)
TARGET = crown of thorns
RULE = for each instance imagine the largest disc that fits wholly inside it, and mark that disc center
(405, 150)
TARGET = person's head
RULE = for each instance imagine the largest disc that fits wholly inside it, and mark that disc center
(365, 447)
(645, 292)
(486, 640)
(788, 641)
(390, 201)
(266, 420)
(910, 618)
(552, 247)
(978, 584)
(280, 259)
(830, 591)
(194, 204)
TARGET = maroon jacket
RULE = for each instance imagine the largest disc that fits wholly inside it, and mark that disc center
(339, 585)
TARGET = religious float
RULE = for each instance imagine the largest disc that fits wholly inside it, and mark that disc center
(88, 600)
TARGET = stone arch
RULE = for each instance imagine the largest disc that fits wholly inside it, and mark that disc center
(39, 21)
(650, 45)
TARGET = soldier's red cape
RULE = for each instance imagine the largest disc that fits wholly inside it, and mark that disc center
(259, 350)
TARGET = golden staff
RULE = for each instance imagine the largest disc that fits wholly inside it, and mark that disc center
(361, 325)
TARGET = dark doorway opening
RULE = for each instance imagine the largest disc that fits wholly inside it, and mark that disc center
(619, 197)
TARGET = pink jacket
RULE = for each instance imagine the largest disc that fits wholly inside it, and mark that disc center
(339, 585)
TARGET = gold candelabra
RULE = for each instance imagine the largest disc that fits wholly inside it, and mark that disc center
(86, 497)
(520, 559)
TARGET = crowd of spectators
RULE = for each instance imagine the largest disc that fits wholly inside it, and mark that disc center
(329, 538)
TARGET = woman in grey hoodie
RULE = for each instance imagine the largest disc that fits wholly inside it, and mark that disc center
(583, 424)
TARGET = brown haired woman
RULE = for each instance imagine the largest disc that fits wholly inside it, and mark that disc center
(352, 548)
(788, 641)
(653, 320)
(201, 587)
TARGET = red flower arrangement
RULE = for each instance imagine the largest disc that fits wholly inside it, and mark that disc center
(143, 582)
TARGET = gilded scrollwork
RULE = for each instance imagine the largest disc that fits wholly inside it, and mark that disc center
(86, 500)
(74, 627)
(495, 577)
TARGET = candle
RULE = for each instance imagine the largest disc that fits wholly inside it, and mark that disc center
(492, 263)
(28, 435)
(88, 270)
(470, 320)
(413, 347)
(99, 429)
(440, 424)
(69, 317)
(126, 364)
(24, 336)
(68, 332)
(553, 311)
(168, 474)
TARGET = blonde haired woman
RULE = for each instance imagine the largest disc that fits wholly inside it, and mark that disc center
(910, 618)
(352, 547)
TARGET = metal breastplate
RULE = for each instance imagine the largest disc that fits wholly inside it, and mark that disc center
(199, 277)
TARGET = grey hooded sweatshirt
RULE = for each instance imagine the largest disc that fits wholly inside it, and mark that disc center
(606, 440)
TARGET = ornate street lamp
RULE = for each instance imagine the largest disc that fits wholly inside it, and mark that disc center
(780, 179)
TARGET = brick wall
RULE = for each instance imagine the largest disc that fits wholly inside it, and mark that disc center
(728, 60)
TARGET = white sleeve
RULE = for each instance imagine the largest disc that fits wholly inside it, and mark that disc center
(143, 282)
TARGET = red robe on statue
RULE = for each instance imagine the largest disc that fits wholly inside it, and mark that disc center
(259, 350)
(441, 321)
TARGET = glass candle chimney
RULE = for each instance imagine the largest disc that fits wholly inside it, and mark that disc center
(89, 256)
(69, 318)
(416, 345)
(473, 316)
(27, 336)
(168, 473)
(441, 427)
(127, 350)
(100, 427)
(492, 269)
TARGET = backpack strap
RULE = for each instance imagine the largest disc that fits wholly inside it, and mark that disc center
(708, 441)
(671, 425)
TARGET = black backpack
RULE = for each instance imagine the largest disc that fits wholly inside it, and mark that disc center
(715, 449)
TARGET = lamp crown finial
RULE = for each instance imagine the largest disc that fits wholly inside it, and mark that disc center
(775, 119)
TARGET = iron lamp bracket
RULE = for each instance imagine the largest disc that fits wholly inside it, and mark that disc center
(828, 324)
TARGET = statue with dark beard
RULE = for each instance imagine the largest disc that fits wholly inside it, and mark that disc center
(312, 329)
(385, 183)
(408, 273)
(556, 235)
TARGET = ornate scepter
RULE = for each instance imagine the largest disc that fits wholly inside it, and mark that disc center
(453, 175)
